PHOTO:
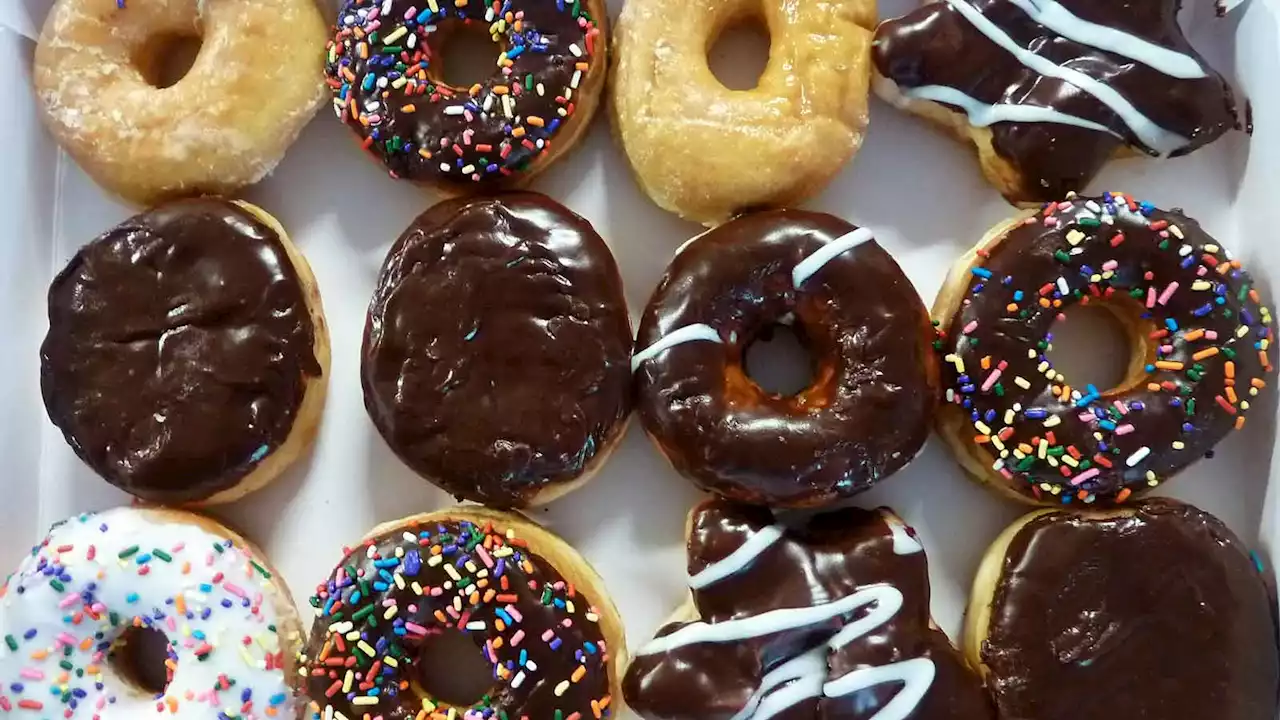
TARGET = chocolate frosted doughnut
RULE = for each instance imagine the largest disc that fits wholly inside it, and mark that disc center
(866, 413)
(187, 355)
(1153, 611)
(1199, 331)
(496, 349)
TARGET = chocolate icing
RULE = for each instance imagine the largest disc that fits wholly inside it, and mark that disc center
(1160, 613)
(507, 603)
(1138, 434)
(396, 101)
(937, 46)
(178, 351)
(868, 410)
(829, 557)
(496, 349)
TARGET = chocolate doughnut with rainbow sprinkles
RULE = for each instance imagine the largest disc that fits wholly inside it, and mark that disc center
(1200, 336)
(385, 68)
(529, 607)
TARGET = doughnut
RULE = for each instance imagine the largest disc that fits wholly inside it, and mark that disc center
(1048, 90)
(825, 619)
(537, 613)
(79, 613)
(514, 388)
(1200, 344)
(385, 70)
(187, 357)
(257, 81)
(870, 405)
(707, 153)
(1154, 610)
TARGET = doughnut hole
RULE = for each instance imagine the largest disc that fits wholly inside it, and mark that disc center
(451, 667)
(139, 658)
(1104, 344)
(739, 53)
(166, 58)
(779, 361)
(465, 54)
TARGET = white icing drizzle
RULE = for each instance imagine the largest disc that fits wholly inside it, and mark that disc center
(917, 674)
(983, 115)
(805, 672)
(738, 560)
(806, 268)
(1057, 18)
(903, 543)
(688, 333)
(1150, 134)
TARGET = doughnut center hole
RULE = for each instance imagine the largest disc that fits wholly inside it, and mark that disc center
(465, 54)
(138, 658)
(779, 361)
(452, 667)
(739, 53)
(165, 59)
(1091, 345)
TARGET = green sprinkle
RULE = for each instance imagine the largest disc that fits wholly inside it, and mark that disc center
(1231, 354)
(57, 585)
(1062, 256)
(363, 613)
(261, 570)
(162, 555)
(127, 552)
(12, 642)
(218, 546)
(1089, 222)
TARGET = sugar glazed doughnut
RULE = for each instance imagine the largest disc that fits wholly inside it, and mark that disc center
(385, 71)
(535, 610)
(187, 356)
(75, 615)
(1156, 610)
(869, 407)
(1047, 91)
(827, 618)
(496, 352)
(224, 125)
(1200, 349)
(706, 152)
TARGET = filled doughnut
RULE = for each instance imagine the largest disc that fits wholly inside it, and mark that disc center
(1156, 610)
(535, 611)
(868, 409)
(385, 68)
(707, 153)
(825, 619)
(82, 610)
(187, 356)
(1200, 338)
(257, 80)
(1048, 90)
(512, 388)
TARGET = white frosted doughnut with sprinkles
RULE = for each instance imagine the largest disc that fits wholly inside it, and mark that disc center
(85, 592)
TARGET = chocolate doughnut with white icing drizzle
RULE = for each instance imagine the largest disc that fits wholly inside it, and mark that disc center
(866, 412)
(828, 619)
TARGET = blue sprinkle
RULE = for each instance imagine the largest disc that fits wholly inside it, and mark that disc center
(983, 273)
(1171, 324)
(1018, 295)
(471, 335)
(258, 454)
(1203, 310)
(1036, 413)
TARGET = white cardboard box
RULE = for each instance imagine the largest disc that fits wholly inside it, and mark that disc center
(920, 192)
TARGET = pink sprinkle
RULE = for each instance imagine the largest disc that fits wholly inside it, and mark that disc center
(484, 556)
(1110, 265)
(178, 548)
(1124, 429)
(513, 612)
(1120, 407)
(68, 601)
(1168, 292)
(1210, 334)
(973, 325)
(452, 613)
(991, 380)
(408, 14)
(437, 591)
(515, 639)
(235, 590)
(1091, 472)
(1085, 417)
(1166, 349)
(567, 622)
(415, 628)
(546, 636)
(1202, 271)
(1151, 297)
(66, 639)
(31, 674)
(173, 626)
(1051, 221)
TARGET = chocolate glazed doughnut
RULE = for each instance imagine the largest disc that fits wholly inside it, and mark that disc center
(496, 349)
(866, 413)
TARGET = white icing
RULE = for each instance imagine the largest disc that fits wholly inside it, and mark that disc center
(738, 560)
(688, 333)
(40, 619)
(983, 115)
(1062, 21)
(806, 268)
(1151, 135)
(903, 543)
(805, 672)
(917, 674)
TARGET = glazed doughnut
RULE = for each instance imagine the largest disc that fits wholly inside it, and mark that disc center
(257, 81)
(827, 619)
(1155, 610)
(386, 72)
(706, 152)
(76, 613)
(1200, 339)
(536, 611)
(187, 356)
(515, 387)
(866, 413)
(1048, 90)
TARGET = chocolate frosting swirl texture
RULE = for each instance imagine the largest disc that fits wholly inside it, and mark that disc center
(179, 348)
(868, 409)
(1159, 612)
(495, 359)
(828, 619)
(1062, 85)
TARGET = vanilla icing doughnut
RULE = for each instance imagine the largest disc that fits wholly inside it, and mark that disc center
(231, 626)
